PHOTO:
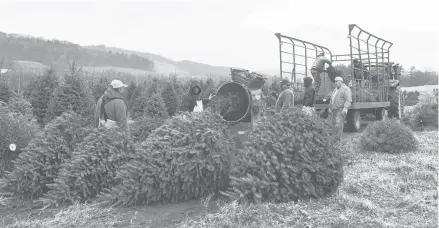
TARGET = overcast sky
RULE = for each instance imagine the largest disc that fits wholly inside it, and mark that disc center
(230, 33)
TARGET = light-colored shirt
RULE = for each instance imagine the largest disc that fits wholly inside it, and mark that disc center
(333, 95)
(341, 98)
(285, 100)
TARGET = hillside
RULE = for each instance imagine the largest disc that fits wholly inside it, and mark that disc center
(28, 52)
(166, 66)
(57, 53)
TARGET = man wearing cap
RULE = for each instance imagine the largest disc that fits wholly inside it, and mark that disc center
(341, 100)
(286, 98)
(111, 110)
(319, 67)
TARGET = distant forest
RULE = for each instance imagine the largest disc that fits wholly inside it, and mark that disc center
(57, 53)
(412, 77)
(415, 77)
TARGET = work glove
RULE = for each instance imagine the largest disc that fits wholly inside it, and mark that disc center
(211, 95)
(345, 111)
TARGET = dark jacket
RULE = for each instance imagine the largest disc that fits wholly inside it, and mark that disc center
(115, 109)
(306, 98)
(310, 93)
(190, 100)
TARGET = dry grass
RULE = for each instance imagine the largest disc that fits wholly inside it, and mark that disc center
(78, 215)
(380, 190)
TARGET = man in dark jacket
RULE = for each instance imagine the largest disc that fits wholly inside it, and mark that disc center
(190, 99)
(111, 110)
(308, 96)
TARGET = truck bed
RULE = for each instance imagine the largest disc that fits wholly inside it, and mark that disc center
(359, 105)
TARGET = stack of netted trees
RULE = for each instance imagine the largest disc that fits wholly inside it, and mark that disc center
(38, 164)
(290, 156)
(18, 127)
(92, 167)
(388, 136)
(424, 115)
(68, 162)
(186, 158)
(366, 94)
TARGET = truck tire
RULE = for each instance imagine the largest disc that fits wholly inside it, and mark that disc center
(381, 114)
(353, 119)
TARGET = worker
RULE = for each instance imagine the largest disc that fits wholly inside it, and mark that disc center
(358, 68)
(286, 97)
(319, 67)
(111, 109)
(309, 96)
(190, 99)
(193, 99)
(341, 100)
(395, 74)
(394, 93)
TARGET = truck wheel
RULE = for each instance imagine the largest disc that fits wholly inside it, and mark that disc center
(353, 119)
(381, 114)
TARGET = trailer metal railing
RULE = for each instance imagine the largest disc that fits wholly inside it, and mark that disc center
(375, 62)
(297, 56)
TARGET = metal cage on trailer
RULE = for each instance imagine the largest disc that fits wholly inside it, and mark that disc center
(369, 78)
(297, 56)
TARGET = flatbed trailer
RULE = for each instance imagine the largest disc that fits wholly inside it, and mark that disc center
(372, 77)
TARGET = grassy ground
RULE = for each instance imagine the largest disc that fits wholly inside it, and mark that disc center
(380, 190)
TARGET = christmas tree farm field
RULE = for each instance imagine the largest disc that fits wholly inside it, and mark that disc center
(379, 190)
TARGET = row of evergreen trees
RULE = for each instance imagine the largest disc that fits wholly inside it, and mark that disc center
(50, 95)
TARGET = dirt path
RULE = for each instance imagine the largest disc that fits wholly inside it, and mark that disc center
(167, 215)
(364, 122)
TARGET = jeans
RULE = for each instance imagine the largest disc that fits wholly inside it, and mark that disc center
(108, 124)
(317, 80)
(337, 123)
(309, 110)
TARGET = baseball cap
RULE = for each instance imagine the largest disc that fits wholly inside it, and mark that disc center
(285, 81)
(117, 84)
(338, 79)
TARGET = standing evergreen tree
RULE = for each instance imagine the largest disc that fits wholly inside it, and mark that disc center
(5, 92)
(42, 93)
(152, 117)
(130, 90)
(208, 88)
(74, 94)
(155, 106)
(177, 84)
(138, 102)
(30, 86)
(170, 98)
(154, 87)
(99, 87)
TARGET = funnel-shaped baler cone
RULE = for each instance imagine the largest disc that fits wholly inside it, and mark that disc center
(244, 95)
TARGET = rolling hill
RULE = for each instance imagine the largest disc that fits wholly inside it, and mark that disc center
(165, 66)
(36, 54)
